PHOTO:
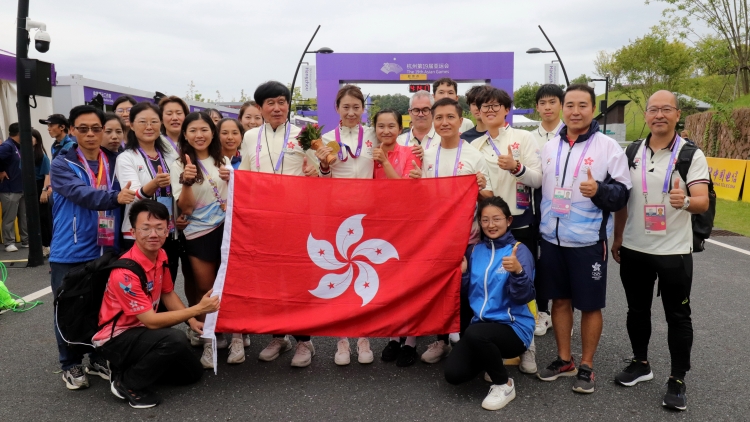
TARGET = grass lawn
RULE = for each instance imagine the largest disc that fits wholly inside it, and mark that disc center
(733, 216)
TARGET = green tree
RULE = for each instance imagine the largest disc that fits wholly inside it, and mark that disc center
(583, 79)
(606, 64)
(525, 96)
(398, 102)
(713, 57)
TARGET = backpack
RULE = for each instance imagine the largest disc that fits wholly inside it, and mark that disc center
(702, 224)
(79, 299)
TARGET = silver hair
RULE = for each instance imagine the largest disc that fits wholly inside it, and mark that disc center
(421, 94)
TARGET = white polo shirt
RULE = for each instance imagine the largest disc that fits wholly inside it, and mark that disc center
(679, 237)
(541, 136)
(351, 167)
(466, 124)
(432, 138)
(524, 150)
(274, 139)
(470, 161)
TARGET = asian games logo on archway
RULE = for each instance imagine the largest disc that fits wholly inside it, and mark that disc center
(322, 254)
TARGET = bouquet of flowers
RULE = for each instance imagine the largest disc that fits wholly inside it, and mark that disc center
(310, 137)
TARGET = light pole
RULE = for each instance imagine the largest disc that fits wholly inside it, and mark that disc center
(605, 103)
(536, 50)
(28, 175)
(322, 50)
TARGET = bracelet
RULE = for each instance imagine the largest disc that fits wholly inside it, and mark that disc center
(325, 172)
(518, 167)
(186, 182)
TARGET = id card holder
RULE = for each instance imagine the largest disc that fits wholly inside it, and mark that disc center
(561, 201)
(167, 202)
(105, 235)
(523, 197)
(655, 218)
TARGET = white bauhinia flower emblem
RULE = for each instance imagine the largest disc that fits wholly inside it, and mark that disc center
(322, 254)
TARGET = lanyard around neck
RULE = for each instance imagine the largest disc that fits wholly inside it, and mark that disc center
(258, 146)
(665, 189)
(458, 157)
(360, 137)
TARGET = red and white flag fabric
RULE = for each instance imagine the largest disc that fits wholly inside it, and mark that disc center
(342, 257)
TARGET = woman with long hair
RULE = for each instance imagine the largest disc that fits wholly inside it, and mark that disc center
(250, 115)
(114, 133)
(230, 135)
(173, 112)
(42, 167)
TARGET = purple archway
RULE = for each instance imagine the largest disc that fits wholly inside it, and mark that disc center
(337, 68)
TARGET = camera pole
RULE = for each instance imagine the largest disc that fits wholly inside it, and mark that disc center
(31, 196)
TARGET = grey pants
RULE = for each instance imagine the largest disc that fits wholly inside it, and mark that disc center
(13, 206)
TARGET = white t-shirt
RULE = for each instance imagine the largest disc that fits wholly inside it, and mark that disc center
(293, 153)
(679, 237)
(470, 161)
(541, 136)
(207, 213)
(350, 167)
(430, 140)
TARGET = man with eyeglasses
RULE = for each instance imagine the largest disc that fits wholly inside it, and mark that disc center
(86, 208)
(422, 133)
(138, 342)
(57, 127)
(11, 190)
(654, 239)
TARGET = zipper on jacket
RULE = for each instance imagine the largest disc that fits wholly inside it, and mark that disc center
(75, 232)
(565, 170)
(511, 316)
(486, 272)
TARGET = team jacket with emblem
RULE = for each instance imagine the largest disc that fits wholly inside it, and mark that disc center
(590, 218)
(496, 295)
(294, 155)
(350, 167)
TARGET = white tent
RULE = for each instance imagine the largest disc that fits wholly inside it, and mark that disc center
(521, 121)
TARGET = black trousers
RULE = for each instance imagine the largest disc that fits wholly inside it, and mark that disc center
(638, 272)
(144, 357)
(482, 348)
(45, 216)
(527, 236)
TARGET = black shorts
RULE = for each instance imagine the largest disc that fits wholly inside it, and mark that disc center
(579, 274)
(207, 247)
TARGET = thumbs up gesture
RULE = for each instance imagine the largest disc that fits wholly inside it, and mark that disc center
(511, 264)
(415, 172)
(126, 195)
(589, 186)
(190, 172)
(224, 174)
(310, 171)
(677, 195)
(162, 179)
(378, 155)
(507, 162)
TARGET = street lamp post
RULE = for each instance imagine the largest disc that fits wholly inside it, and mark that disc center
(605, 103)
(322, 50)
(536, 50)
(36, 256)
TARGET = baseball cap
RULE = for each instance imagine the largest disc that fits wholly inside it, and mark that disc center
(57, 119)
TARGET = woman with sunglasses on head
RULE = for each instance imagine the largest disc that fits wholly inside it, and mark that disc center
(250, 115)
(41, 168)
(122, 106)
(199, 180)
(355, 143)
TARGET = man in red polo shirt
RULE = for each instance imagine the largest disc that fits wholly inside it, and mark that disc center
(138, 342)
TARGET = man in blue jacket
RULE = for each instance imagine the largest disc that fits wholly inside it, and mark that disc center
(85, 212)
(11, 190)
(57, 126)
(585, 179)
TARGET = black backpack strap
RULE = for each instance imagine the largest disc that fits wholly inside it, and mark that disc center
(684, 159)
(130, 265)
(631, 150)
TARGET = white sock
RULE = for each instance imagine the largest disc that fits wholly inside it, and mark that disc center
(411, 341)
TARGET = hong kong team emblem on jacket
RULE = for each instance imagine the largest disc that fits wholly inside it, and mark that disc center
(350, 232)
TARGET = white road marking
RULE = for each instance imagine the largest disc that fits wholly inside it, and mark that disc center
(724, 245)
(37, 294)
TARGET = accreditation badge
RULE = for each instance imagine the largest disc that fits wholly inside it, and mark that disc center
(105, 235)
(655, 218)
(167, 202)
(523, 196)
(561, 201)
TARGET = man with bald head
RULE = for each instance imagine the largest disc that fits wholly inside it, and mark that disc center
(654, 239)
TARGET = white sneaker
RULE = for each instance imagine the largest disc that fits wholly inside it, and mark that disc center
(454, 337)
(221, 342)
(246, 340)
(436, 351)
(11, 248)
(528, 360)
(277, 346)
(195, 340)
(343, 353)
(236, 351)
(543, 323)
(499, 396)
(207, 359)
(303, 355)
(364, 353)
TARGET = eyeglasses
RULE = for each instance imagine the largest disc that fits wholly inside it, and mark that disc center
(122, 110)
(153, 123)
(487, 107)
(160, 231)
(85, 129)
(666, 110)
(418, 111)
(486, 221)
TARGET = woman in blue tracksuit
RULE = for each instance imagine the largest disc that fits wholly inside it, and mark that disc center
(498, 282)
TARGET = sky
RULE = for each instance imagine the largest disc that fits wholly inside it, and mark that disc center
(230, 45)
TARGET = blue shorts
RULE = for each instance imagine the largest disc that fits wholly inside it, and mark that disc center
(579, 274)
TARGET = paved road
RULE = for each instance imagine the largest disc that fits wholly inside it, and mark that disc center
(31, 390)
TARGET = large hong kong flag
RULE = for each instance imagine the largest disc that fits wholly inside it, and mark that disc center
(342, 257)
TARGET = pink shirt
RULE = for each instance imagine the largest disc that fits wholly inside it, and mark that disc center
(401, 159)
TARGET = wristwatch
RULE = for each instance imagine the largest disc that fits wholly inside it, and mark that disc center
(685, 203)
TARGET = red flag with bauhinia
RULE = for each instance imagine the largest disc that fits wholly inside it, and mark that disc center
(343, 257)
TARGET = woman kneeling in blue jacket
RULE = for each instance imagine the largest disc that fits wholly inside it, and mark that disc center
(498, 275)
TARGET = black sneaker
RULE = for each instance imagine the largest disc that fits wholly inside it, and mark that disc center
(142, 399)
(407, 356)
(636, 372)
(675, 397)
(391, 351)
(584, 382)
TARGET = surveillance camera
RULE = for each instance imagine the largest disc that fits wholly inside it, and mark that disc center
(41, 41)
